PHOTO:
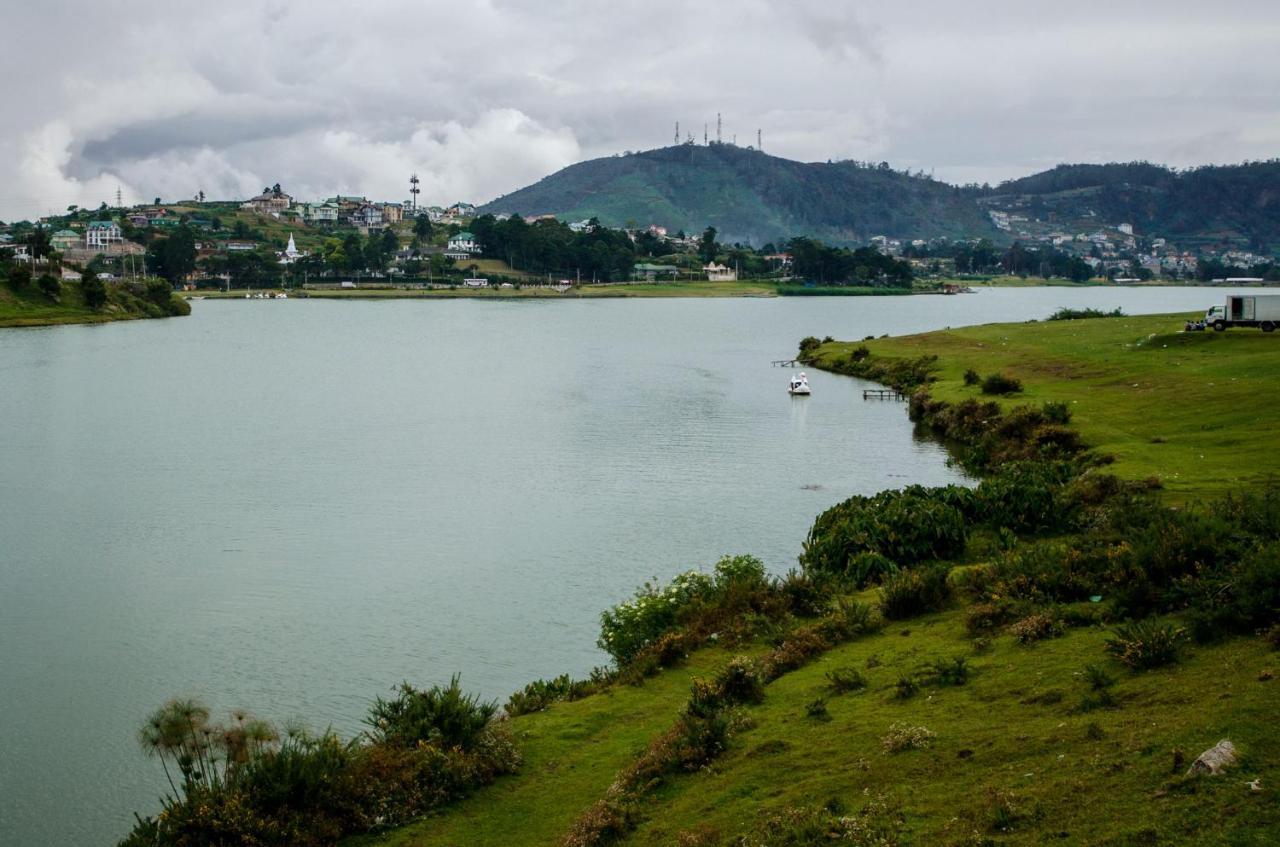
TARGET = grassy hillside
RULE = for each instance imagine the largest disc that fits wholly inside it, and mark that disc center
(750, 196)
(1193, 410)
(30, 307)
(1044, 737)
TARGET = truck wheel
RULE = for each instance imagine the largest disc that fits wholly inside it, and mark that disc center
(1219, 325)
(1268, 326)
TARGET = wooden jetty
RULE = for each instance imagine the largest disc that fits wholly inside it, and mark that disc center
(883, 394)
(785, 363)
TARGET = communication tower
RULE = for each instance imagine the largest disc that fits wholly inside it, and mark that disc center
(718, 127)
(414, 191)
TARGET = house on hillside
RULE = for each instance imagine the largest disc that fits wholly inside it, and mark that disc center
(325, 213)
(368, 216)
(392, 213)
(461, 247)
(460, 210)
(102, 234)
(270, 201)
(720, 273)
(64, 239)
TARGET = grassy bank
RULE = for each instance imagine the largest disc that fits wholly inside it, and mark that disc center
(29, 307)
(1035, 660)
(1194, 410)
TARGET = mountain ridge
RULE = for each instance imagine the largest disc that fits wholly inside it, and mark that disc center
(753, 197)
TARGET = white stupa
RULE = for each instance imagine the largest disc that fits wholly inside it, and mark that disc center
(291, 252)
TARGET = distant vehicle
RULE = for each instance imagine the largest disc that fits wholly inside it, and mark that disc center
(1260, 310)
(799, 385)
(476, 283)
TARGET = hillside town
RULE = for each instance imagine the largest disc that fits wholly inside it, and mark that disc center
(276, 240)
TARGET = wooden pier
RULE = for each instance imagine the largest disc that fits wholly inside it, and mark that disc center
(785, 363)
(883, 394)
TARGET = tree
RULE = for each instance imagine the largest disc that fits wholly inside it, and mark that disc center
(422, 227)
(50, 286)
(390, 244)
(707, 245)
(39, 243)
(94, 290)
(20, 277)
(174, 258)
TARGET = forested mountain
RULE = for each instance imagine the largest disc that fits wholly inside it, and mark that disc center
(1215, 204)
(750, 196)
(754, 197)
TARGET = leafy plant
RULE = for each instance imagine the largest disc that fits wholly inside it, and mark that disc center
(1146, 644)
(998, 383)
(844, 680)
(972, 377)
(914, 592)
(1036, 627)
(443, 716)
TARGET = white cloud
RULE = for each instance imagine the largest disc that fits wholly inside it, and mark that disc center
(481, 98)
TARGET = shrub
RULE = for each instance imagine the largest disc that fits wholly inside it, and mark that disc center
(1065, 314)
(442, 716)
(878, 824)
(808, 345)
(539, 694)
(844, 680)
(914, 592)
(907, 527)
(903, 736)
(632, 625)
(869, 567)
(998, 383)
(740, 681)
(949, 671)
(1143, 645)
(1056, 412)
(1036, 627)
(1239, 598)
(817, 709)
(1025, 497)
(972, 377)
(906, 687)
(805, 596)
(984, 617)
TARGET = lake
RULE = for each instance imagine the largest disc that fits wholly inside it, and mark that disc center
(291, 506)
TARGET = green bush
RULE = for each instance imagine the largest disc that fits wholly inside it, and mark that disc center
(1057, 413)
(949, 672)
(541, 693)
(844, 680)
(93, 290)
(876, 825)
(999, 383)
(1065, 314)
(50, 286)
(972, 377)
(1146, 644)
(869, 567)
(906, 527)
(913, 592)
(1037, 627)
(443, 716)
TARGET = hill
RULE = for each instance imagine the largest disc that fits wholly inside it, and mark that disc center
(750, 196)
(757, 198)
(29, 306)
(1215, 205)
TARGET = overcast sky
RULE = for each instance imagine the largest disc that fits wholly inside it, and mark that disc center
(171, 97)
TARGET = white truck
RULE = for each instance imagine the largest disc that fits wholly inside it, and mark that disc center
(1260, 310)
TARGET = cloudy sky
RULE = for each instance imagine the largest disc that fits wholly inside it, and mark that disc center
(480, 97)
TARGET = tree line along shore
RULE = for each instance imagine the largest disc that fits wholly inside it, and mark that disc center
(1043, 656)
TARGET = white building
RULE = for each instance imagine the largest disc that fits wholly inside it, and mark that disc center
(464, 243)
(102, 234)
(720, 273)
(291, 253)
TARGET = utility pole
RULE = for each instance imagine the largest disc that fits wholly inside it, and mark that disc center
(119, 200)
(677, 139)
(704, 134)
(759, 142)
(719, 125)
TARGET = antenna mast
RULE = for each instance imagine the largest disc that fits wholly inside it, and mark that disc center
(414, 191)
(759, 142)
(119, 201)
(704, 133)
(718, 127)
(677, 140)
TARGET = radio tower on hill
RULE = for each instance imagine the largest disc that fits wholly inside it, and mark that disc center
(414, 191)
(759, 142)
(677, 141)
(719, 126)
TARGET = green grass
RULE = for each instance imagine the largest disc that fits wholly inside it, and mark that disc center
(1098, 777)
(1194, 410)
(572, 752)
(29, 307)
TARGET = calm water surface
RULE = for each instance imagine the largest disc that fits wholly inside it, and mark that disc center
(291, 506)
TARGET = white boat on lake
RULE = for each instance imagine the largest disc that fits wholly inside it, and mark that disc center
(799, 385)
